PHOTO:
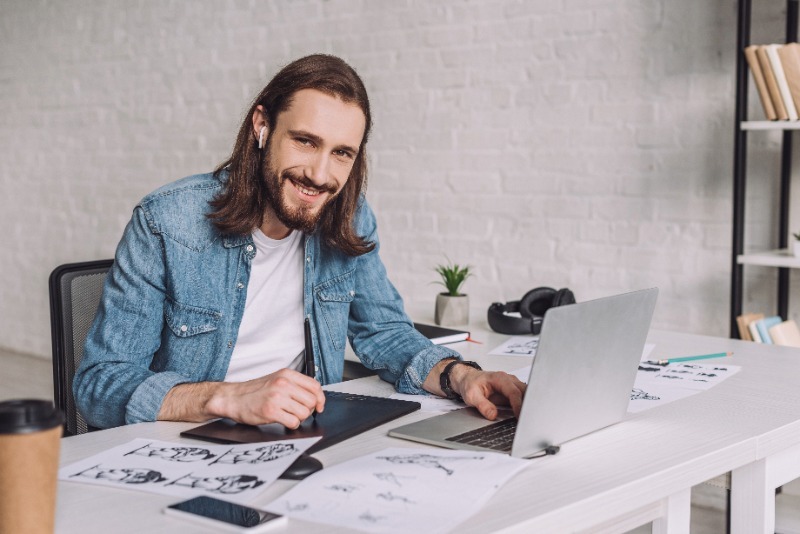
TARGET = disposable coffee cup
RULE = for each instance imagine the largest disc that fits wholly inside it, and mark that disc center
(30, 434)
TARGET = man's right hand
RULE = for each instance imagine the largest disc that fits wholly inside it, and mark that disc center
(286, 397)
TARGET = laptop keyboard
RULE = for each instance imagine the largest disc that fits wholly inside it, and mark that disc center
(496, 436)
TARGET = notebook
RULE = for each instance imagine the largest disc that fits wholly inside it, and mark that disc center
(441, 335)
(580, 381)
(345, 416)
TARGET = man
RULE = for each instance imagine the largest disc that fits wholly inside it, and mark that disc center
(202, 313)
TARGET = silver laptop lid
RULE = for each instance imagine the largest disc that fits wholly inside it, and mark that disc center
(584, 369)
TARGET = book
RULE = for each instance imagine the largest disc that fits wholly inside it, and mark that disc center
(789, 55)
(763, 326)
(785, 333)
(772, 85)
(754, 332)
(761, 84)
(743, 321)
(440, 335)
(780, 78)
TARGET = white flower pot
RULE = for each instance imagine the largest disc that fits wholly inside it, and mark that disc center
(796, 248)
(451, 311)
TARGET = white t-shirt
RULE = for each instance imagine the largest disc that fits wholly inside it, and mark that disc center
(271, 333)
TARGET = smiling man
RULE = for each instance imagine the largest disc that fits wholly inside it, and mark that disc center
(202, 312)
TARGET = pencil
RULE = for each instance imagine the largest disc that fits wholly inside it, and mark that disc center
(309, 354)
(691, 358)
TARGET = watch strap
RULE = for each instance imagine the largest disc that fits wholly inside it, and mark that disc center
(444, 378)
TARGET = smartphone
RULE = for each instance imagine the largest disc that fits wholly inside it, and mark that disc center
(226, 515)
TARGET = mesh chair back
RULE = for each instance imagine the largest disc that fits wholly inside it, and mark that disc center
(75, 291)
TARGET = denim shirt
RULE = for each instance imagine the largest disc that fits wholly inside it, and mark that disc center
(174, 298)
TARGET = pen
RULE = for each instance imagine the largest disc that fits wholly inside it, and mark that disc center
(309, 355)
(689, 358)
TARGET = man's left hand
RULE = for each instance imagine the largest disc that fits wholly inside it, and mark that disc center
(485, 390)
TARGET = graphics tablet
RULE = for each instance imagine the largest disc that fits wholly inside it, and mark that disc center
(345, 416)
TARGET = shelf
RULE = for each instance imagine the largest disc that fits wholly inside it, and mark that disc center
(771, 258)
(770, 125)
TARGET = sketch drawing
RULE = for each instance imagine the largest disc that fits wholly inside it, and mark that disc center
(126, 475)
(223, 484)
(367, 517)
(342, 488)
(173, 454)
(391, 478)
(258, 455)
(299, 507)
(427, 460)
(640, 394)
(526, 347)
(391, 497)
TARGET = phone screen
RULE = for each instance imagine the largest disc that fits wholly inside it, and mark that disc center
(227, 512)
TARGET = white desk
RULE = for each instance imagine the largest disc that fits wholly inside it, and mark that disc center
(638, 471)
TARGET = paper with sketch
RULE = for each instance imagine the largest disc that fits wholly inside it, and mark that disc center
(657, 384)
(527, 345)
(235, 473)
(517, 346)
(400, 490)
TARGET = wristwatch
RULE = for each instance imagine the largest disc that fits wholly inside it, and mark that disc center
(444, 378)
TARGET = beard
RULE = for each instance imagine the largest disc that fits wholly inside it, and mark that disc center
(304, 219)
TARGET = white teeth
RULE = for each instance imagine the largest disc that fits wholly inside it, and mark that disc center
(305, 191)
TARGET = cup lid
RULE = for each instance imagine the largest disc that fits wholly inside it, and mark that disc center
(28, 415)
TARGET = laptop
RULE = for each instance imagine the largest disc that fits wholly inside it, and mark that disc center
(580, 381)
(345, 416)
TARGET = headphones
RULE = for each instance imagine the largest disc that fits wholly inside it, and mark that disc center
(531, 307)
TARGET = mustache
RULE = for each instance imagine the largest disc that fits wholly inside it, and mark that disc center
(290, 174)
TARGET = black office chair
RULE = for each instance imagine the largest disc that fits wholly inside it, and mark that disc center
(75, 291)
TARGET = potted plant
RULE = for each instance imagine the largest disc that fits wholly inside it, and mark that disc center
(796, 244)
(452, 306)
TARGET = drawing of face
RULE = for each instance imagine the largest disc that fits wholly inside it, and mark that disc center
(132, 475)
(181, 454)
(229, 484)
(265, 454)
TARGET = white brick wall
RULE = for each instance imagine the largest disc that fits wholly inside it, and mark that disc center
(581, 143)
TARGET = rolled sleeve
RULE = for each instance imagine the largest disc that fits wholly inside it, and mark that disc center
(420, 367)
(145, 403)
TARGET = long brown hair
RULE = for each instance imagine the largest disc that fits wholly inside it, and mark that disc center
(241, 205)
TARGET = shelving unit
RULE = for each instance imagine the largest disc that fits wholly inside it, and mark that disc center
(781, 258)
(771, 258)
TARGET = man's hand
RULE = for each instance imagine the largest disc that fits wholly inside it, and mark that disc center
(485, 390)
(286, 397)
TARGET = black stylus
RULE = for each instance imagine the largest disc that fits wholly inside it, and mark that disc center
(309, 355)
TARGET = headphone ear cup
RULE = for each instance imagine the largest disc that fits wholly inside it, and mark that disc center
(505, 324)
(563, 297)
(536, 301)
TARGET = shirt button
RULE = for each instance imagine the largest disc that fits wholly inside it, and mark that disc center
(184, 328)
(230, 344)
(249, 248)
(240, 285)
(352, 293)
(308, 259)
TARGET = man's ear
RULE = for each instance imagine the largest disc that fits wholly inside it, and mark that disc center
(260, 125)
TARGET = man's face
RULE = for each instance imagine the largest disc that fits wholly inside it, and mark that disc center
(309, 158)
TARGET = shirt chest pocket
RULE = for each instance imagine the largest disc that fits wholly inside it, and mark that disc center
(334, 297)
(186, 321)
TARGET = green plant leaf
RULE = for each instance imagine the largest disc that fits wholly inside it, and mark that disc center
(453, 276)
